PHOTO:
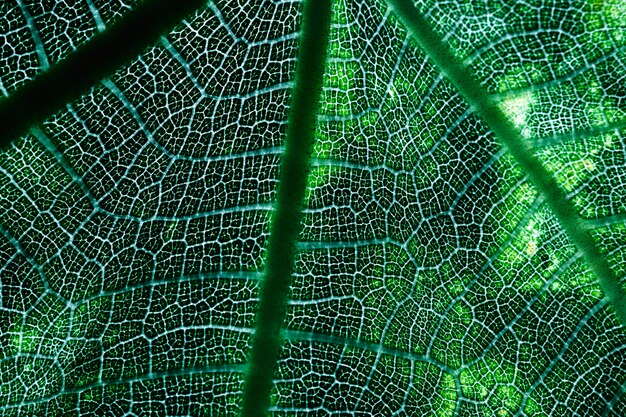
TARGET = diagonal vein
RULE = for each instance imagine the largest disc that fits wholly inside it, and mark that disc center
(441, 55)
(91, 62)
(286, 225)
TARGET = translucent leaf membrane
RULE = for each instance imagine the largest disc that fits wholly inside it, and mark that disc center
(520, 44)
(558, 66)
(431, 278)
(134, 223)
(427, 257)
(37, 34)
(591, 170)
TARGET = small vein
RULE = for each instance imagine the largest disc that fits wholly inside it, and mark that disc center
(206, 369)
(8, 235)
(179, 58)
(298, 335)
(30, 22)
(577, 134)
(608, 221)
(96, 16)
(559, 356)
(251, 276)
(2, 89)
(50, 147)
(440, 53)
(613, 401)
(110, 85)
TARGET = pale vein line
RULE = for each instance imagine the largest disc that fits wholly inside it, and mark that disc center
(221, 275)
(96, 16)
(503, 128)
(207, 369)
(559, 138)
(559, 356)
(315, 245)
(178, 57)
(527, 308)
(613, 401)
(20, 250)
(267, 207)
(194, 80)
(45, 141)
(211, 6)
(224, 23)
(607, 221)
(138, 119)
(30, 22)
(298, 335)
(2, 89)
(148, 133)
(530, 212)
(557, 81)
(50, 147)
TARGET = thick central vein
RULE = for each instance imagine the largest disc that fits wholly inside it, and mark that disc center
(78, 72)
(286, 223)
(501, 126)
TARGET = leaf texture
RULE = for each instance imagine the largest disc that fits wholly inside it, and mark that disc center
(431, 278)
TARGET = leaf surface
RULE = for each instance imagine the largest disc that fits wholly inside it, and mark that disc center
(431, 278)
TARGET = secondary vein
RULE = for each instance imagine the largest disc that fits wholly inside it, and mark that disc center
(441, 55)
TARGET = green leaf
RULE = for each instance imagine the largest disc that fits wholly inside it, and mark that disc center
(439, 269)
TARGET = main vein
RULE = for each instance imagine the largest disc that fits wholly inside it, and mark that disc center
(91, 62)
(501, 126)
(285, 227)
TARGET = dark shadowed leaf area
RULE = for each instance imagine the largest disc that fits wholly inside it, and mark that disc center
(140, 193)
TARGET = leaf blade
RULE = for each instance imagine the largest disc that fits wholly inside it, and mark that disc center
(286, 223)
(510, 136)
